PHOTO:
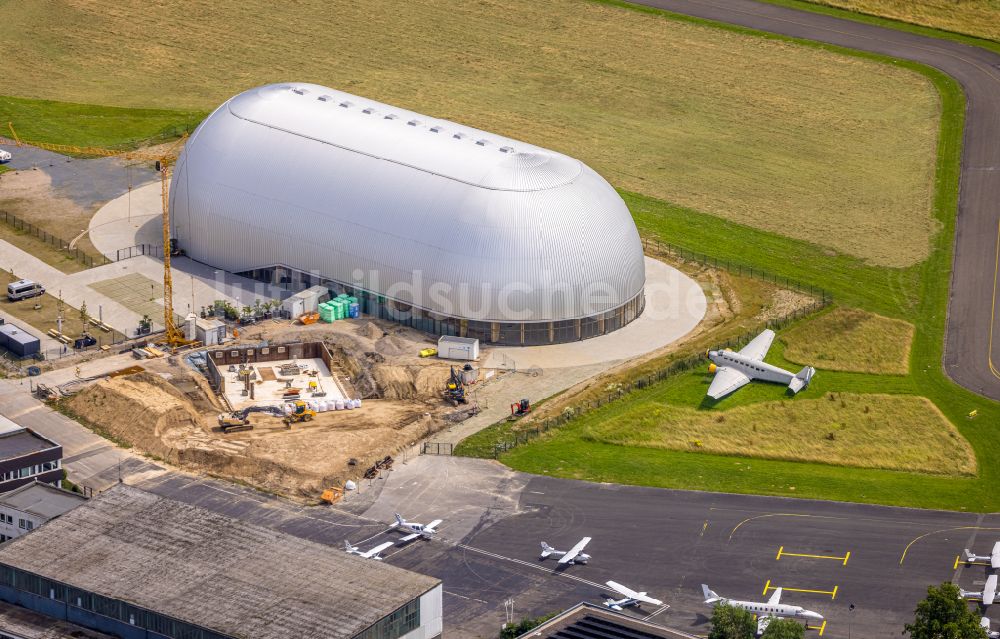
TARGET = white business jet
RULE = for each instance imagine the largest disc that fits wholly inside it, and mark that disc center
(765, 612)
(733, 370)
(987, 595)
(415, 530)
(574, 555)
(984, 623)
(993, 558)
(630, 597)
(367, 554)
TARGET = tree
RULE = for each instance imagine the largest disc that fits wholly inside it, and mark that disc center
(943, 614)
(784, 629)
(84, 315)
(510, 631)
(730, 622)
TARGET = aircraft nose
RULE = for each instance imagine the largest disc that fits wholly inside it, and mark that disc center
(809, 614)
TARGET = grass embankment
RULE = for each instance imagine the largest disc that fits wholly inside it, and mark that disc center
(774, 140)
(847, 339)
(91, 125)
(41, 249)
(977, 18)
(918, 295)
(892, 432)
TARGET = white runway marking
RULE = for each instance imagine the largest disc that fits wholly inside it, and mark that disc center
(533, 565)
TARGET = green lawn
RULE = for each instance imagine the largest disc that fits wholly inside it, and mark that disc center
(92, 125)
(918, 294)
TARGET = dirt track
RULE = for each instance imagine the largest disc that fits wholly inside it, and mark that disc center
(972, 356)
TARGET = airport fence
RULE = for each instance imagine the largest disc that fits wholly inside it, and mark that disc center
(618, 391)
(654, 247)
(153, 250)
(56, 242)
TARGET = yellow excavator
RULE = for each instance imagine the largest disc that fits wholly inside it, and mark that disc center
(302, 413)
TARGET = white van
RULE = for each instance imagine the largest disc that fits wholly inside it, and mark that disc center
(23, 289)
(4, 156)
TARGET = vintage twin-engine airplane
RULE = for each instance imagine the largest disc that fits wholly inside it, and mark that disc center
(574, 555)
(993, 559)
(765, 611)
(987, 595)
(630, 597)
(415, 530)
(367, 554)
(984, 623)
(733, 370)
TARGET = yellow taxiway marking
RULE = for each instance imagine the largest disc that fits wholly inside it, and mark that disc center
(993, 308)
(935, 532)
(749, 519)
(955, 567)
(822, 628)
(704, 528)
(782, 553)
(832, 593)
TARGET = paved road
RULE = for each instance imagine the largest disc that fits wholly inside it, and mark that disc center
(972, 344)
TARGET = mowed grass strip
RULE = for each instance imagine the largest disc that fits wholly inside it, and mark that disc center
(849, 339)
(979, 18)
(91, 125)
(769, 133)
(891, 432)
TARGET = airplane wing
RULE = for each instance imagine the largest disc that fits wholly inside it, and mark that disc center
(775, 598)
(990, 590)
(757, 348)
(995, 556)
(762, 624)
(574, 551)
(631, 594)
(431, 526)
(376, 550)
(409, 537)
(726, 381)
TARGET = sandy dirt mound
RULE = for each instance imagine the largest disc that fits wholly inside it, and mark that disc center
(142, 409)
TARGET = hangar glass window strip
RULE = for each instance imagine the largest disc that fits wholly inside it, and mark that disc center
(394, 625)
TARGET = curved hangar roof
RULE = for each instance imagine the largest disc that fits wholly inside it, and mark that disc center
(448, 218)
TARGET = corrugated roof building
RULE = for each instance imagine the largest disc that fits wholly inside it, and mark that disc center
(444, 227)
(137, 565)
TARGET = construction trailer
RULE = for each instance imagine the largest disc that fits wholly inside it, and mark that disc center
(210, 332)
(306, 301)
(19, 342)
(454, 347)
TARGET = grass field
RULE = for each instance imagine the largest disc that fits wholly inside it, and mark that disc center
(91, 125)
(848, 339)
(979, 18)
(774, 141)
(44, 318)
(893, 432)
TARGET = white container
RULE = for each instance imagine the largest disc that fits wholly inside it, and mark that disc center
(324, 405)
(289, 409)
(348, 404)
(340, 404)
(358, 402)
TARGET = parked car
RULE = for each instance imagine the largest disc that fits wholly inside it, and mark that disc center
(24, 289)
(5, 156)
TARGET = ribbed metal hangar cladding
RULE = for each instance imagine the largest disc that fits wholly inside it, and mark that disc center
(443, 227)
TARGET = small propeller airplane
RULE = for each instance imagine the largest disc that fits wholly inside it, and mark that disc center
(984, 623)
(993, 558)
(367, 554)
(987, 595)
(734, 370)
(415, 530)
(765, 612)
(631, 597)
(574, 555)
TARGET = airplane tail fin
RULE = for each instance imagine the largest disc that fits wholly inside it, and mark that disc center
(546, 550)
(968, 556)
(399, 520)
(802, 379)
(710, 595)
(347, 546)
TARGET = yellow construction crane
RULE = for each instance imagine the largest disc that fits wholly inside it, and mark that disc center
(164, 164)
